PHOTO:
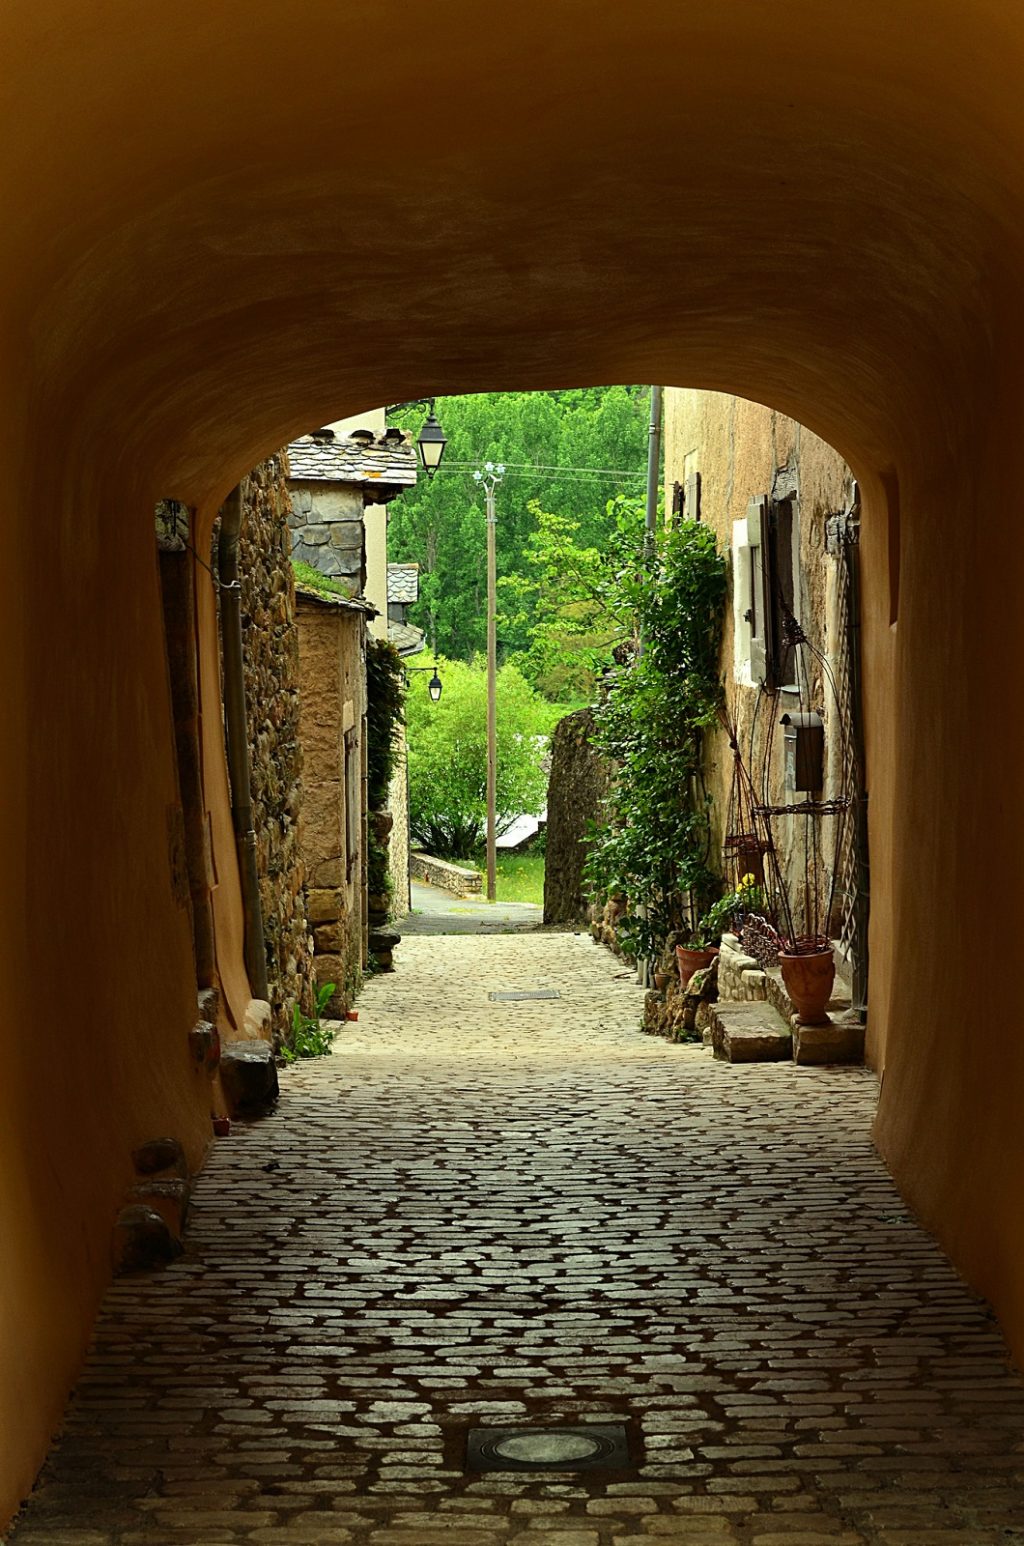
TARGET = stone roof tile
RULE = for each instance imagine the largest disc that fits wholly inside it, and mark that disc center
(353, 459)
(404, 583)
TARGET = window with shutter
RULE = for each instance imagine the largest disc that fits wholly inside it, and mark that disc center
(757, 615)
(691, 497)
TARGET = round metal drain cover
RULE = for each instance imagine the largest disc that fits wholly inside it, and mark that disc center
(589, 1446)
(547, 1448)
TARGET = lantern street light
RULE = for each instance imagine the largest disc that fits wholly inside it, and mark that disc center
(432, 438)
(489, 479)
(434, 686)
(431, 443)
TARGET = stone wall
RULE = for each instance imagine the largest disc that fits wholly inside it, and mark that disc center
(455, 878)
(398, 843)
(333, 820)
(326, 524)
(740, 450)
(271, 646)
(579, 781)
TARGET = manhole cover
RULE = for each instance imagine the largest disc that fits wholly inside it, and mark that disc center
(513, 998)
(590, 1447)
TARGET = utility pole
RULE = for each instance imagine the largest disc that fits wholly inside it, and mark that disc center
(489, 479)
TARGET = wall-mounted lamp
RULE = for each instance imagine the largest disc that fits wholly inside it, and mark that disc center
(434, 685)
(432, 439)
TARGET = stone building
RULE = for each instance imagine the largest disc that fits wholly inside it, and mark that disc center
(271, 658)
(782, 505)
(333, 479)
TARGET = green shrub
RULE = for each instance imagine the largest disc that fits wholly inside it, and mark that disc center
(448, 756)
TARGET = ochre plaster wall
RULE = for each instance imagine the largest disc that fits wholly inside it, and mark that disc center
(739, 449)
(829, 219)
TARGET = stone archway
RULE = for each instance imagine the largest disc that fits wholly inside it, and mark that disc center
(226, 225)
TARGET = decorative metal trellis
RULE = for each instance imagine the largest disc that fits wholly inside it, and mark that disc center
(842, 536)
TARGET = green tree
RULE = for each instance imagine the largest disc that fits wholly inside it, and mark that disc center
(545, 439)
(448, 756)
(570, 601)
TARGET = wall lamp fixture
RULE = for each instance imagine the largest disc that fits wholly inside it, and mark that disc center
(434, 685)
(432, 439)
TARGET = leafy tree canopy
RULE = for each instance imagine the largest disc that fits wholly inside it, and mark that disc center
(567, 454)
(448, 755)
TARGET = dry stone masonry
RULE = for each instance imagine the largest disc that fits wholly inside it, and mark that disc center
(272, 703)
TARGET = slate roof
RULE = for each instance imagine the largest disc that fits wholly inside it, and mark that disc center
(360, 458)
(407, 638)
(404, 583)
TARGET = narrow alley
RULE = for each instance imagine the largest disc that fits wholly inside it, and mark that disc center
(512, 1213)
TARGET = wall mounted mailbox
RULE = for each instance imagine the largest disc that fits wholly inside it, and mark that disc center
(804, 740)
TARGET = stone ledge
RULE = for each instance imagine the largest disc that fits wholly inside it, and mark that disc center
(449, 877)
(839, 1040)
(749, 1033)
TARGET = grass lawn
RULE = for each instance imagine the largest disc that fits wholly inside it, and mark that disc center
(520, 876)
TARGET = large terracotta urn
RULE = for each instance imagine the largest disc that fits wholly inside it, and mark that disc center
(689, 961)
(808, 976)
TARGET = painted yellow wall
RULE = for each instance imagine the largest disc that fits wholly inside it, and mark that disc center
(375, 528)
(829, 219)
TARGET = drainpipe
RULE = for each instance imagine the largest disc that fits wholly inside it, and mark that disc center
(237, 736)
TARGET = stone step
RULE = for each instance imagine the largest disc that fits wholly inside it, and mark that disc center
(749, 1033)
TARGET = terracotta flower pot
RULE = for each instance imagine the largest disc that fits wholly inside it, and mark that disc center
(690, 961)
(661, 980)
(808, 979)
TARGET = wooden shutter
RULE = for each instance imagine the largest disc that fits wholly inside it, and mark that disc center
(691, 497)
(758, 615)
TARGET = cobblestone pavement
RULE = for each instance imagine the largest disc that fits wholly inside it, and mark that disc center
(438, 912)
(492, 1213)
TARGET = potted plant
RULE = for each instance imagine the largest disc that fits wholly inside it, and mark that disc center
(705, 939)
(808, 966)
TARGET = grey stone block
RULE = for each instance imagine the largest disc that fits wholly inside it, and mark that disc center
(142, 1240)
(160, 1154)
(249, 1074)
(348, 535)
(316, 536)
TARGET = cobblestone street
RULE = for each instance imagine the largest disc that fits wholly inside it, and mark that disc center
(483, 1212)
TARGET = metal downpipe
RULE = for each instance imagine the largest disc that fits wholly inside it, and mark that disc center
(237, 738)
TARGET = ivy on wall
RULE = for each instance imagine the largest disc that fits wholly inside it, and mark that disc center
(653, 844)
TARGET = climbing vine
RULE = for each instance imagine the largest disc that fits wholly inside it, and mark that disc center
(385, 713)
(653, 845)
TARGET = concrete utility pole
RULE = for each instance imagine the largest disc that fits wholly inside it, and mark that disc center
(489, 478)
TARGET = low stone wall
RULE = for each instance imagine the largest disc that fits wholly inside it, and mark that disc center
(740, 978)
(449, 877)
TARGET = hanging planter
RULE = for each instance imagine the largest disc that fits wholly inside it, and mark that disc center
(808, 972)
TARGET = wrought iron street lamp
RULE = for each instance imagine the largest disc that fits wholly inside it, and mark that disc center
(432, 438)
(434, 686)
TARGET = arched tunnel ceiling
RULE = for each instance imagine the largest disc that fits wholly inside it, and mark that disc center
(233, 220)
